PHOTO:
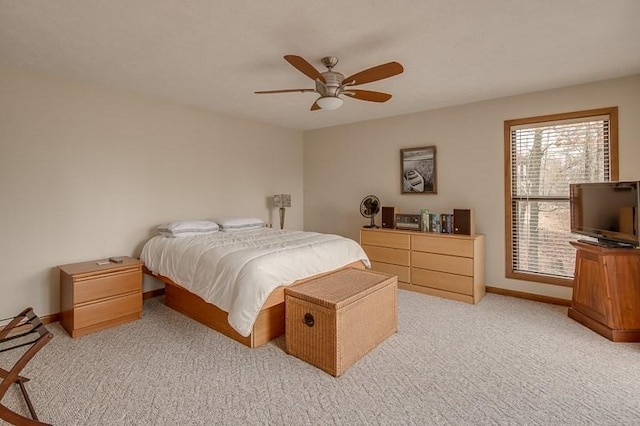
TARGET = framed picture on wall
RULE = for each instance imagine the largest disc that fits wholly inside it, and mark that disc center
(418, 166)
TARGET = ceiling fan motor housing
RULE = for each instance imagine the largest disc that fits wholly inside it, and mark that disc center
(333, 81)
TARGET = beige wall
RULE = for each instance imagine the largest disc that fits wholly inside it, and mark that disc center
(87, 173)
(343, 164)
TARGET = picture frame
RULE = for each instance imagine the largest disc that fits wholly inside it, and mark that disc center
(418, 170)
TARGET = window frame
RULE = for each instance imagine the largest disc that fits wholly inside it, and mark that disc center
(612, 112)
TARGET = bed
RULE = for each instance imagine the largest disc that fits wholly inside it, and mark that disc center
(233, 281)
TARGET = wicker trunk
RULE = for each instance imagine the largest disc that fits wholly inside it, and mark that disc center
(334, 320)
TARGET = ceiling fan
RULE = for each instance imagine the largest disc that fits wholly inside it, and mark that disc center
(330, 85)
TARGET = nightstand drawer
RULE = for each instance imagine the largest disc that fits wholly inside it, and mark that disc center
(105, 286)
(98, 312)
(442, 280)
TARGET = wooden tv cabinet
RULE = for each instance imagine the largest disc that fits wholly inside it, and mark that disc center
(606, 291)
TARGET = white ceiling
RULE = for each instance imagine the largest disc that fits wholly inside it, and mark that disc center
(215, 53)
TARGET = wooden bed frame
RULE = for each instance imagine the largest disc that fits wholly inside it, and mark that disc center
(269, 323)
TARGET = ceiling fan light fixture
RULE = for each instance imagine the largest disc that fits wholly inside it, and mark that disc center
(329, 103)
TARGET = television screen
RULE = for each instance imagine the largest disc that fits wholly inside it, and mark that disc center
(607, 211)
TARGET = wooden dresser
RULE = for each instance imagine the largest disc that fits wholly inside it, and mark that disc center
(96, 296)
(444, 265)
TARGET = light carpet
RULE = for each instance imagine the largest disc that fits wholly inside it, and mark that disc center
(505, 361)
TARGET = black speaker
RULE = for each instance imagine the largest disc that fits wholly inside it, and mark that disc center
(388, 217)
(463, 222)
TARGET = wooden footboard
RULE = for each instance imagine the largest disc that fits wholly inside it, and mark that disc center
(269, 323)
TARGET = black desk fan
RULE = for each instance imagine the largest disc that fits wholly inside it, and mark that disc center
(369, 208)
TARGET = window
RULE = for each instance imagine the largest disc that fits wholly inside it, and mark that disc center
(542, 156)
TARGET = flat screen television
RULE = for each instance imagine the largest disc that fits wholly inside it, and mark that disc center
(607, 211)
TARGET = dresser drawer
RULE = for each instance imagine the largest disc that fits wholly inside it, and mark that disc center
(387, 255)
(443, 245)
(401, 271)
(107, 285)
(442, 263)
(385, 239)
(442, 280)
(106, 310)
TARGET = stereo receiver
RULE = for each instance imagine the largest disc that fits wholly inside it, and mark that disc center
(408, 221)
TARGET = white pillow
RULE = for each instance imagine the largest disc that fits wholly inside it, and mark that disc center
(239, 223)
(186, 228)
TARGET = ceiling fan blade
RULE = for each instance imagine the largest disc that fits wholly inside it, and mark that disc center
(367, 95)
(374, 74)
(304, 67)
(315, 106)
(284, 91)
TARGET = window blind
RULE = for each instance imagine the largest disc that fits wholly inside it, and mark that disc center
(545, 158)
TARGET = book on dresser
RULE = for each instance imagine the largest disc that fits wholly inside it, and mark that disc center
(434, 222)
(446, 223)
(443, 265)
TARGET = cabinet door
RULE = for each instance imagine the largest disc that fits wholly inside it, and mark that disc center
(590, 290)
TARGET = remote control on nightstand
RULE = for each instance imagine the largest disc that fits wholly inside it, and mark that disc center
(116, 259)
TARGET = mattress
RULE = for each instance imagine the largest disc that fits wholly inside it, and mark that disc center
(237, 271)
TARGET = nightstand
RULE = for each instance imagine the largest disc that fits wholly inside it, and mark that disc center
(95, 295)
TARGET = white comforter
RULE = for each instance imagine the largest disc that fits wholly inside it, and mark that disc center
(237, 271)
